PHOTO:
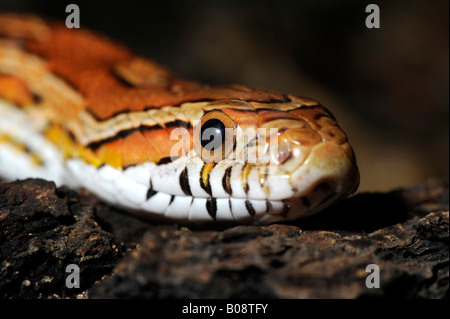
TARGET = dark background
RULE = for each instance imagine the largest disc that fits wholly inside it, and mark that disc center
(388, 87)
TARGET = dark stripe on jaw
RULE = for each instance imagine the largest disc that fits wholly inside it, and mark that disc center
(184, 182)
(171, 199)
(250, 208)
(226, 181)
(247, 187)
(211, 207)
(150, 191)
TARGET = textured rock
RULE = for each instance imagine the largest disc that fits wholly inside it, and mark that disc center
(284, 261)
(405, 233)
(42, 230)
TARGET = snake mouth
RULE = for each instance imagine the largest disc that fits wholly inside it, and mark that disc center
(124, 189)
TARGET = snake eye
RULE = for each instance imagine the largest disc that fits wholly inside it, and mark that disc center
(214, 137)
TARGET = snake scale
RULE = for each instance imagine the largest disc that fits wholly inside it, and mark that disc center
(81, 110)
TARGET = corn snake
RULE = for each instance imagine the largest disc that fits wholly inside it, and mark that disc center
(81, 110)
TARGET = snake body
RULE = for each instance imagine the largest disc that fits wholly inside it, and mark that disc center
(83, 111)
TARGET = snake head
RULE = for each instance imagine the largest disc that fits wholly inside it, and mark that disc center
(292, 153)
